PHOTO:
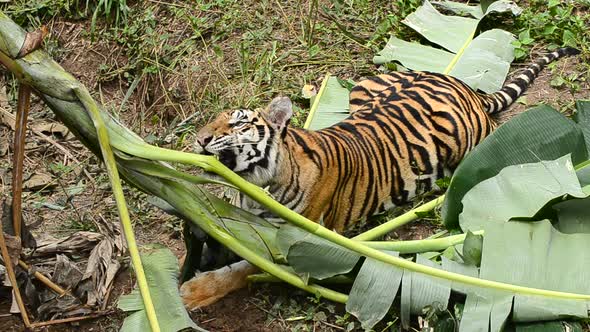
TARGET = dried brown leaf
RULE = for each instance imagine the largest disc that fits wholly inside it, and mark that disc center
(66, 273)
(33, 41)
(7, 119)
(52, 128)
(38, 181)
(13, 245)
(77, 243)
(3, 148)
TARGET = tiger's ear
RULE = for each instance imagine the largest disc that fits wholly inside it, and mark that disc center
(279, 112)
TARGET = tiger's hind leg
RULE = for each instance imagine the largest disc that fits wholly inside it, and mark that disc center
(208, 287)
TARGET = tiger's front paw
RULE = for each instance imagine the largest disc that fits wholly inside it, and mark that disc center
(208, 287)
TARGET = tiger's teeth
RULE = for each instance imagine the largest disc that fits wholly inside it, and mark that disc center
(197, 148)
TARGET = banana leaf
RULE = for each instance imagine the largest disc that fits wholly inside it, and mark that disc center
(538, 250)
(519, 191)
(573, 216)
(582, 118)
(479, 11)
(161, 268)
(541, 133)
(329, 106)
(378, 281)
(482, 63)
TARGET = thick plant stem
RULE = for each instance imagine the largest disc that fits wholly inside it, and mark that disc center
(398, 221)
(111, 166)
(417, 246)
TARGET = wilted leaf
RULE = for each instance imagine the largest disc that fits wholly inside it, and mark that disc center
(66, 274)
(3, 148)
(77, 243)
(33, 41)
(308, 91)
(38, 181)
(52, 128)
(13, 244)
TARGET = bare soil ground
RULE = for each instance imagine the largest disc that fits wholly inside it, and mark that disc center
(225, 55)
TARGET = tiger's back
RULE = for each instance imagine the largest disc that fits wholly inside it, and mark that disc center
(406, 130)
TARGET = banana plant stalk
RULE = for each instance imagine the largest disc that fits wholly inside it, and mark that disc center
(109, 160)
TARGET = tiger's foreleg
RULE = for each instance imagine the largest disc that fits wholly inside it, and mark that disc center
(208, 287)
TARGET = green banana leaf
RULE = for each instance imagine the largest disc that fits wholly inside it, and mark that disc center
(573, 216)
(582, 118)
(541, 133)
(519, 191)
(378, 281)
(478, 11)
(532, 254)
(161, 269)
(482, 63)
(329, 106)
(553, 326)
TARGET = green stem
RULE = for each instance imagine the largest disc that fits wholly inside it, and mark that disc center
(416, 246)
(316, 102)
(398, 221)
(268, 266)
(211, 164)
(265, 277)
(109, 159)
(457, 56)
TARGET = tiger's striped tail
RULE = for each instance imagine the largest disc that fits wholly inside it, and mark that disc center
(499, 101)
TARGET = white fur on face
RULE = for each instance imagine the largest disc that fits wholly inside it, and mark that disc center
(248, 143)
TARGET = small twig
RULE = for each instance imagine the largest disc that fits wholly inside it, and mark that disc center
(70, 319)
(20, 130)
(12, 278)
(107, 296)
(42, 278)
(332, 325)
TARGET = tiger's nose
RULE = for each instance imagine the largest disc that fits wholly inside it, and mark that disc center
(204, 137)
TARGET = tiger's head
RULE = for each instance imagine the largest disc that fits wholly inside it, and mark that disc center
(246, 141)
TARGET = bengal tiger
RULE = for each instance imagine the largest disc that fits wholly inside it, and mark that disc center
(405, 131)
